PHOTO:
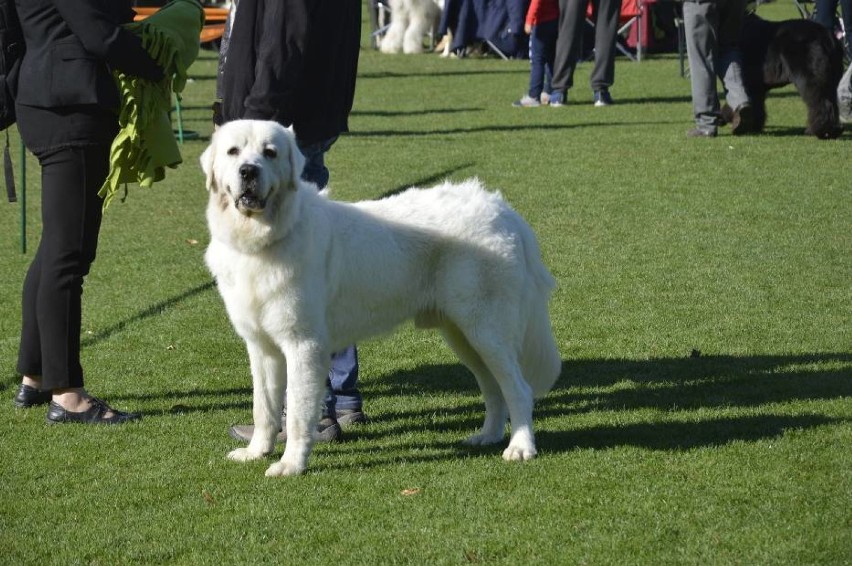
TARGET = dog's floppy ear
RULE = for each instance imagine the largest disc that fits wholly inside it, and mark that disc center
(207, 165)
(297, 160)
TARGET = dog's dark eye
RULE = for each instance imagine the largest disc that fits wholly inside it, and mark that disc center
(234, 151)
(270, 152)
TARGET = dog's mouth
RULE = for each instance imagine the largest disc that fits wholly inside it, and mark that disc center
(248, 200)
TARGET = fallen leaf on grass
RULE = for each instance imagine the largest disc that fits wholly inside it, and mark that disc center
(411, 491)
(207, 497)
(192, 242)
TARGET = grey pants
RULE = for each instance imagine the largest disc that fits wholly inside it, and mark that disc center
(712, 44)
(569, 42)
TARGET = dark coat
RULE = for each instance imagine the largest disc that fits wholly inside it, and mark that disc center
(294, 62)
(66, 95)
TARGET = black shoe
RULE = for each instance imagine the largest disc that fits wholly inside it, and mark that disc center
(328, 430)
(57, 414)
(742, 122)
(31, 397)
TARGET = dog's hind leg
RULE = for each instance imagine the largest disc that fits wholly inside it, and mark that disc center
(307, 370)
(821, 100)
(496, 413)
(500, 357)
(268, 371)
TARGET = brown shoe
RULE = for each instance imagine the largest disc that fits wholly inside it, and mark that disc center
(742, 122)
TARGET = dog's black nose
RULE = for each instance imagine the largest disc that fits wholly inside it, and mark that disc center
(248, 172)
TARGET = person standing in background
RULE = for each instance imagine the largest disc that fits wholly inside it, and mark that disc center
(569, 44)
(295, 62)
(712, 44)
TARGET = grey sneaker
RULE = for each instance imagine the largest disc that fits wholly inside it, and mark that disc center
(347, 417)
(328, 430)
(700, 133)
(526, 101)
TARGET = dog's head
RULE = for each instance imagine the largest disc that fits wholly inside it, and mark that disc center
(249, 161)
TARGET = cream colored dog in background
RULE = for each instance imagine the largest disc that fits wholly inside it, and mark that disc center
(303, 276)
(410, 21)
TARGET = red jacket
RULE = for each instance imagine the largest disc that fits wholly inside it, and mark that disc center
(541, 11)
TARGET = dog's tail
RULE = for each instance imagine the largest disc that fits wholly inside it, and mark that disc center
(540, 360)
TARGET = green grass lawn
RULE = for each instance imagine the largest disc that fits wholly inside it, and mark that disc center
(704, 412)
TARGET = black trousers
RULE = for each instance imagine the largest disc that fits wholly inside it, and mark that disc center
(53, 287)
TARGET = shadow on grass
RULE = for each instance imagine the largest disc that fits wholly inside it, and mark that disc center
(666, 436)
(397, 113)
(461, 73)
(499, 128)
(425, 181)
(671, 384)
(153, 310)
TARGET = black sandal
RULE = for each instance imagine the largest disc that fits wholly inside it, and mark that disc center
(57, 414)
(31, 397)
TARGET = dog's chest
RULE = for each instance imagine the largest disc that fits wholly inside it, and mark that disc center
(252, 287)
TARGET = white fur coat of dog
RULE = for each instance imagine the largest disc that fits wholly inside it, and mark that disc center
(411, 20)
(303, 276)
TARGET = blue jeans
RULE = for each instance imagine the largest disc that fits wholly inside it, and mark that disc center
(826, 11)
(343, 377)
(542, 54)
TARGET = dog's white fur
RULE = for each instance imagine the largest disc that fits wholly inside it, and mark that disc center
(410, 21)
(303, 276)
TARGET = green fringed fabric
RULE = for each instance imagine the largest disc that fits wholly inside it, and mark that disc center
(145, 144)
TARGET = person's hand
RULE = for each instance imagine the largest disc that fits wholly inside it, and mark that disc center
(527, 29)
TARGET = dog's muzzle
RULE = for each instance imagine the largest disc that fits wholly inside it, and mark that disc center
(248, 199)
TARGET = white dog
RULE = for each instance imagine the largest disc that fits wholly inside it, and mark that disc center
(410, 21)
(303, 276)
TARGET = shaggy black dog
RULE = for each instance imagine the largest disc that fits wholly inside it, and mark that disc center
(801, 52)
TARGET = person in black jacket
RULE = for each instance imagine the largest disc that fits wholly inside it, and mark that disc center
(295, 62)
(67, 113)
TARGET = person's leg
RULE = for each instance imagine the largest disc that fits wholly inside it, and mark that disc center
(729, 60)
(548, 33)
(824, 13)
(606, 34)
(568, 45)
(699, 24)
(537, 62)
(52, 300)
(846, 16)
(71, 217)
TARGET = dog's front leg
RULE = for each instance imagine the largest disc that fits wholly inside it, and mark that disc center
(269, 377)
(307, 367)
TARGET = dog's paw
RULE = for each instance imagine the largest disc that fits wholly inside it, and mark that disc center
(284, 469)
(481, 439)
(519, 453)
(244, 455)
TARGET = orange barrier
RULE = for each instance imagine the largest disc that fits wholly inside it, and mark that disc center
(214, 21)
